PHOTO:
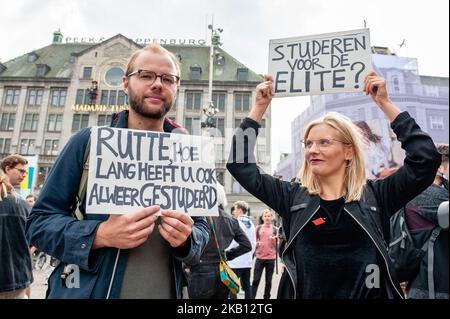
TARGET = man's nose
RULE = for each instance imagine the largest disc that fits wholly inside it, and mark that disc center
(157, 82)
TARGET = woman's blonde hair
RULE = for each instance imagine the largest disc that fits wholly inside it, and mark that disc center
(355, 177)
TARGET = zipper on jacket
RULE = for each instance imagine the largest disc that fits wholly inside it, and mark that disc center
(113, 274)
(289, 243)
(381, 252)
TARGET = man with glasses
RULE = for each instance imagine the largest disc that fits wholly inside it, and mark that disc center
(119, 256)
(15, 259)
(16, 168)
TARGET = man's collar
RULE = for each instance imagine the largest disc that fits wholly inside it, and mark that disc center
(120, 120)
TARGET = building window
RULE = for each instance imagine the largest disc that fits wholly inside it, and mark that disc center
(104, 119)
(87, 72)
(5, 145)
(122, 98)
(27, 146)
(12, 96)
(242, 74)
(35, 97)
(262, 130)
(192, 125)
(242, 101)
(32, 57)
(51, 147)
(58, 97)
(219, 100)
(104, 97)
(436, 122)
(80, 121)
(193, 100)
(396, 84)
(220, 125)
(219, 152)
(42, 175)
(7, 121)
(54, 122)
(114, 76)
(42, 70)
(86, 96)
(196, 73)
(79, 96)
(237, 188)
(237, 122)
(30, 122)
(261, 153)
(112, 97)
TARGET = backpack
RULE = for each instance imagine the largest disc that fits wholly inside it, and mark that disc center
(405, 255)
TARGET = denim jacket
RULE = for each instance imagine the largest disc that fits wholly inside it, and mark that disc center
(15, 259)
(51, 228)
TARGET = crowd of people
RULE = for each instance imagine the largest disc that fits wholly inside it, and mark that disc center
(335, 217)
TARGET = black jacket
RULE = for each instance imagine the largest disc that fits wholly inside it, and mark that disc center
(227, 229)
(391, 193)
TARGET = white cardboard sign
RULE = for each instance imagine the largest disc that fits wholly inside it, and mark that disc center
(318, 64)
(132, 169)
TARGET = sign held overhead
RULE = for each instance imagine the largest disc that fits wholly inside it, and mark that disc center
(318, 64)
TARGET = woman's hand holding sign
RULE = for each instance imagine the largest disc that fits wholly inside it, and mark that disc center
(376, 87)
(126, 231)
(264, 95)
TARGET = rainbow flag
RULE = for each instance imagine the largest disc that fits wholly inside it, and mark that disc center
(27, 185)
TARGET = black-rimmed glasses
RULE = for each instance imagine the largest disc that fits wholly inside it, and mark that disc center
(150, 77)
(21, 171)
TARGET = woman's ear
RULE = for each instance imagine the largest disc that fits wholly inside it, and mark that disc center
(349, 152)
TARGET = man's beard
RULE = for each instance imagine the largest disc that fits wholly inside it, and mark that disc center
(137, 104)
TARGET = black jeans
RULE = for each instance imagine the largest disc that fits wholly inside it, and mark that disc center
(244, 276)
(260, 264)
(204, 282)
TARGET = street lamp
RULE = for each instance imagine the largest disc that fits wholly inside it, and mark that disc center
(210, 109)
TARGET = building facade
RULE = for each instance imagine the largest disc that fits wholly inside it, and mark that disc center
(424, 97)
(50, 93)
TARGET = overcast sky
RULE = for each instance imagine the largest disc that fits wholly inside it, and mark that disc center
(248, 26)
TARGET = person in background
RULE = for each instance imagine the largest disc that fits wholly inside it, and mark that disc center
(15, 260)
(242, 265)
(204, 278)
(266, 250)
(31, 199)
(421, 215)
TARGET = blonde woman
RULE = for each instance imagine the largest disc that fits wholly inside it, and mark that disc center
(336, 221)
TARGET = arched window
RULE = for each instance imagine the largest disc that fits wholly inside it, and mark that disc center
(396, 84)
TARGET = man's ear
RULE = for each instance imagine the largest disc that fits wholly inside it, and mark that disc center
(125, 84)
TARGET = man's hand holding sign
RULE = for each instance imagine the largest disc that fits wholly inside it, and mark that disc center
(137, 176)
(126, 231)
